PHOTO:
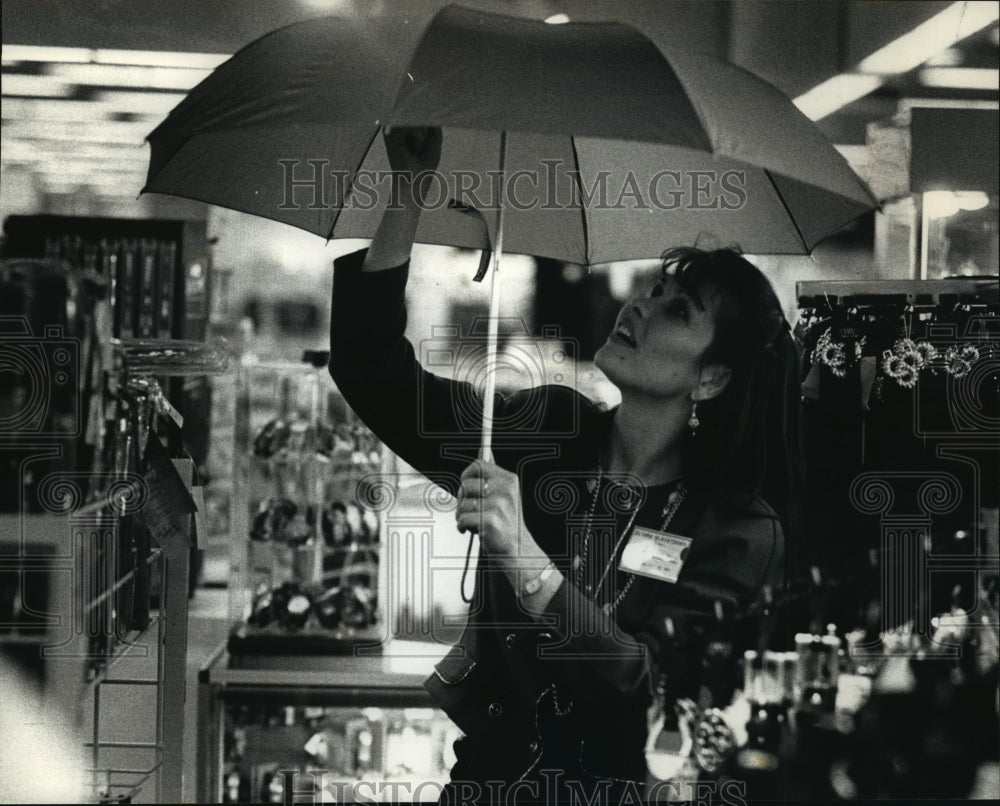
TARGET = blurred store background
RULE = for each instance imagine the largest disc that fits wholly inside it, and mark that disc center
(907, 91)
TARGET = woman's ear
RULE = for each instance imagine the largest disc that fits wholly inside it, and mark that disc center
(712, 382)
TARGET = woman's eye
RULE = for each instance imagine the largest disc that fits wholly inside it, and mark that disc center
(657, 290)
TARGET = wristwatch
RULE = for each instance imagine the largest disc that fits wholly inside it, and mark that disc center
(532, 585)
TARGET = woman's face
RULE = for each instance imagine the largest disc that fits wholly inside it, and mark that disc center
(658, 342)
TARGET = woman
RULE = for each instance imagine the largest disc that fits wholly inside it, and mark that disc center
(554, 674)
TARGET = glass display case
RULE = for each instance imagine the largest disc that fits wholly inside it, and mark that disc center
(305, 562)
(938, 216)
(347, 729)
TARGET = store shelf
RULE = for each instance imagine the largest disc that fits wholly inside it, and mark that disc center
(383, 689)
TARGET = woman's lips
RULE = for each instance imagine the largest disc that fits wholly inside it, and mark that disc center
(623, 335)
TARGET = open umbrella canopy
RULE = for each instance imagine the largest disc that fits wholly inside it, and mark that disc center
(616, 147)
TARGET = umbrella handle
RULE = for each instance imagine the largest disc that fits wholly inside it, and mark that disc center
(486, 446)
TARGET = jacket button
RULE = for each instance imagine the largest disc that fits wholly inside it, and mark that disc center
(533, 747)
(495, 709)
(510, 639)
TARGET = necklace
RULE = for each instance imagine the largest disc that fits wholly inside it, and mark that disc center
(674, 501)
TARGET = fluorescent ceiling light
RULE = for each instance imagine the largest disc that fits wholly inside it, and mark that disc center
(18, 150)
(964, 78)
(142, 103)
(36, 53)
(327, 5)
(107, 132)
(971, 199)
(945, 203)
(85, 151)
(941, 31)
(940, 204)
(836, 92)
(557, 19)
(97, 176)
(54, 111)
(905, 104)
(118, 75)
(36, 86)
(958, 21)
(153, 58)
(98, 173)
(949, 57)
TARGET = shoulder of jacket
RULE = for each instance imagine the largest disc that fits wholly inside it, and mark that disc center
(554, 403)
(736, 503)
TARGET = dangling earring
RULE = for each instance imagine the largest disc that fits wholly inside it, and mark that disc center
(693, 422)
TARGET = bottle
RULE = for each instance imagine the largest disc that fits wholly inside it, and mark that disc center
(768, 687)
(817, 670)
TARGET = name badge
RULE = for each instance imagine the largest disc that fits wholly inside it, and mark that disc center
(650, 553)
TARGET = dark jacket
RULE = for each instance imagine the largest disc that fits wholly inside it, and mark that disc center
(511, 678)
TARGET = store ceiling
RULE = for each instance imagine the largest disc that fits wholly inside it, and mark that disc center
(84, 82)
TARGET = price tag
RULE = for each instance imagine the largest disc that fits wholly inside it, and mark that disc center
(659, 555)
(168, 502)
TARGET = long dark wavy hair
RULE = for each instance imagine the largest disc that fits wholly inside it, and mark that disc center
(748, 438)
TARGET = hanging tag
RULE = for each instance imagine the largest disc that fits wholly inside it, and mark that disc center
(199, 536)
(659, 555)
(867, 369)
(169, 500)
(166, 407)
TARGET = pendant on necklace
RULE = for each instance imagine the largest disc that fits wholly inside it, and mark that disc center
(577, 560)
(591, 485)
(607, 607)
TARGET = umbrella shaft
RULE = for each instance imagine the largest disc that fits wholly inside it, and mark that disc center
(486, 448)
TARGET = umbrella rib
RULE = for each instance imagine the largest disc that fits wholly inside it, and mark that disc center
(350, 185)
(788, 211)
(583, 207)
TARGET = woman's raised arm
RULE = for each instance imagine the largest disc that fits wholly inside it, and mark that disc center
(412, 152)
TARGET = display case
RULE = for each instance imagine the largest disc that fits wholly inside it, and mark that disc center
(938, 216)
(334, 729)
(306, 537)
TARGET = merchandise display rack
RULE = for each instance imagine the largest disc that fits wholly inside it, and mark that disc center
(60, 554)
(301, 527)
(167, 633)
(95, 546)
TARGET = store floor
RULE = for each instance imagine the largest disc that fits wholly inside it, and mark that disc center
(208, 626)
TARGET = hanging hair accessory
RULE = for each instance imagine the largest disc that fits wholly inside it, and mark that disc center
(959, 360)
(834, 354)
(693, 421)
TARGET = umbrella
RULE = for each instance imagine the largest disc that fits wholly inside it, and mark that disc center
(584, 142)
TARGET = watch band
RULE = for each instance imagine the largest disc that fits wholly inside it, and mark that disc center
(532, 585)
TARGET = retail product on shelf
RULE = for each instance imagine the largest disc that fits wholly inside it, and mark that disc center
(306, 557)
(97, 484)
(868, 712)
(345, 751)
(321, 729)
